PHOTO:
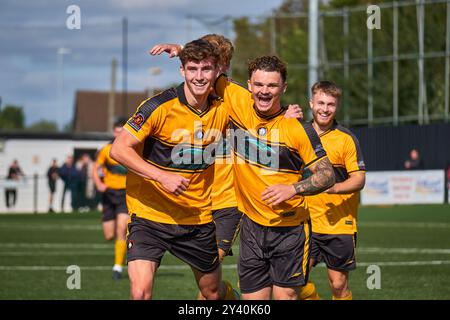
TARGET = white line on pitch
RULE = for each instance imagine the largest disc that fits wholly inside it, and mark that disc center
(437, 225)
(98, 246)
(227, 266)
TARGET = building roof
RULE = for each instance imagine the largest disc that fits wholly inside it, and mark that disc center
(91, 109)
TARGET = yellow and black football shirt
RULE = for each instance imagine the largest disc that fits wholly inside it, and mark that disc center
(267, 151)
(223, 193)
(337, 213)
(115, 173)
(177, 138)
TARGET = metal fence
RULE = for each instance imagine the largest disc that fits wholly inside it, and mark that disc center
(396, 74)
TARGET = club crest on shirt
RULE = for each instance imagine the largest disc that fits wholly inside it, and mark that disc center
(262, 131)
(137, 121)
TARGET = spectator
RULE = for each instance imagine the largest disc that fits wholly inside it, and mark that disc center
(70, 176)
(85, 185)
(52, 177)
(414, 162)
(14, 174)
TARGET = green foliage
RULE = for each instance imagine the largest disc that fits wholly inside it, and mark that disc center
(12, 117)
(43, 126)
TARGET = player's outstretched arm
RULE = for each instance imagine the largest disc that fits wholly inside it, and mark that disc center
(172, 49)
(294, 111)
(123, 151)
(321, 179)
(354, 183)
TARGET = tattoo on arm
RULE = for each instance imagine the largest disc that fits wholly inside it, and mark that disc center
(321, 179)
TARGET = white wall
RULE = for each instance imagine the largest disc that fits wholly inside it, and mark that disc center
(34, 157)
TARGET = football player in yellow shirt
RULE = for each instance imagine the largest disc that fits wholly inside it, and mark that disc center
(270, 153)
(334, 212)
(115, 212)
(165, 146)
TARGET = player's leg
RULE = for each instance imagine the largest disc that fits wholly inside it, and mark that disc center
(309, 291)
(196, 245)
(339, 284)
(120, 246)
(289, 259)
(141, 274)
(108, 216)
(146, 245)
(261, 294)
(280, 293)
(227, 222)
(254, 279)
(339, 256)
(122, 217)
(210, 284)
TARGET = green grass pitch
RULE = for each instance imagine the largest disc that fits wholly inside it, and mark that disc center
(410, 245)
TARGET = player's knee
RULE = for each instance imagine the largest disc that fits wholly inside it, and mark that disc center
(109, 237)
(211, 293)
(139, 293)
(339, 286)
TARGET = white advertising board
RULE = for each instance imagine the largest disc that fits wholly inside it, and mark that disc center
(404, 187)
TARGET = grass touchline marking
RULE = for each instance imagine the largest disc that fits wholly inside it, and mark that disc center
(226, 266)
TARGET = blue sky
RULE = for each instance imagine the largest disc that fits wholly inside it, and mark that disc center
(32, 31)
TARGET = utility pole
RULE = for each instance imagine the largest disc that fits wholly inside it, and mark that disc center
(60, 57)
(124, 64)
(112, 95)
(313, 44)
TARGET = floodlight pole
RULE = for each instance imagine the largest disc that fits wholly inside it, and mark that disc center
(313, 45)
(60, 57)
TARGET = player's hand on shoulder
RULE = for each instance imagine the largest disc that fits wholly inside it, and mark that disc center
(173, 50)
(173, 183)
(278, 193)
(294, 111)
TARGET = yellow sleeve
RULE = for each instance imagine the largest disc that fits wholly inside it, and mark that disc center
(234, 95)
(101, 157)
(353, 155)
(142, 123)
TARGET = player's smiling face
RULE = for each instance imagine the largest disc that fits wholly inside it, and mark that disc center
(199, 76)
(266, 88)
(323, 108)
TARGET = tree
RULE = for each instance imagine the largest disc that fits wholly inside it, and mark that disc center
(12, 117)
(43, 126)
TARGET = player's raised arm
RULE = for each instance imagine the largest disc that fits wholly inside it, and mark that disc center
(294, 111)
(123, 151)
(172, 49)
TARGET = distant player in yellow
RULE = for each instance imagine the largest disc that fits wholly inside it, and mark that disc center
(166, 145)
(115, 212)
(334, 212)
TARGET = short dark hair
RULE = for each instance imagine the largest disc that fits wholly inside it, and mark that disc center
(197, 51)
(327, 87)
(268, 63)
